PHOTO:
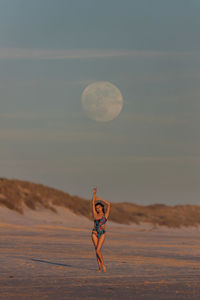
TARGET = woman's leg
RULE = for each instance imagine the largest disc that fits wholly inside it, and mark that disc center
(95, 242)
(98, 252)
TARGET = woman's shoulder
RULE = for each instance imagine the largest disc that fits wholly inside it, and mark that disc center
(104, 217)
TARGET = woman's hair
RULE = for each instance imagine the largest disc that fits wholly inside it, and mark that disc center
(99, 203)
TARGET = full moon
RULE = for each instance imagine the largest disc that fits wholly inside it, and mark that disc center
(102, 101)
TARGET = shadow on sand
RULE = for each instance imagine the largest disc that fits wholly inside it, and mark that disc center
(58, 264)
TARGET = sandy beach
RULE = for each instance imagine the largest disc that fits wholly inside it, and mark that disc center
(51, 256)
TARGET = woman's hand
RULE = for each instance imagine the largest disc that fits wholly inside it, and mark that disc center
(101, 199)
(94, 190)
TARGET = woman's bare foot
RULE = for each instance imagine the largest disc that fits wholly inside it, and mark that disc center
(99, 270)
(104, 268)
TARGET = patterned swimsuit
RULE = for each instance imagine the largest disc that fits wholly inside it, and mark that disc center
(99, 226)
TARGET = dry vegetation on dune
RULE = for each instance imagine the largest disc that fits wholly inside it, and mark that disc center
(17, 194)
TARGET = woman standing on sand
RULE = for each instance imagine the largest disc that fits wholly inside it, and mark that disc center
(98, 232)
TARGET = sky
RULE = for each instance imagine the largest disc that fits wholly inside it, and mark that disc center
(50, 51)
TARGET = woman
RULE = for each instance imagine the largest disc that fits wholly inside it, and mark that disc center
(98, 232)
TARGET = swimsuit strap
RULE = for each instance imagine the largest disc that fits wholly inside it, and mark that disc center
(100, 219)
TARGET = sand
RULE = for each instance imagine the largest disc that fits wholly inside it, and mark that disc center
(51, 256)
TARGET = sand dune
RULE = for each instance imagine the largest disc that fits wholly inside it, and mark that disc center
(18, 195)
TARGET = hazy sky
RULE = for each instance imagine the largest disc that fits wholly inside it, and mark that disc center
(150, 49)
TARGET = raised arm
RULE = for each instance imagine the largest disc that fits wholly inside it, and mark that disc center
(108, 206)
(93, 202)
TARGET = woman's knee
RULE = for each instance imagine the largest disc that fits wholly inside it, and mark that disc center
(98, 251)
